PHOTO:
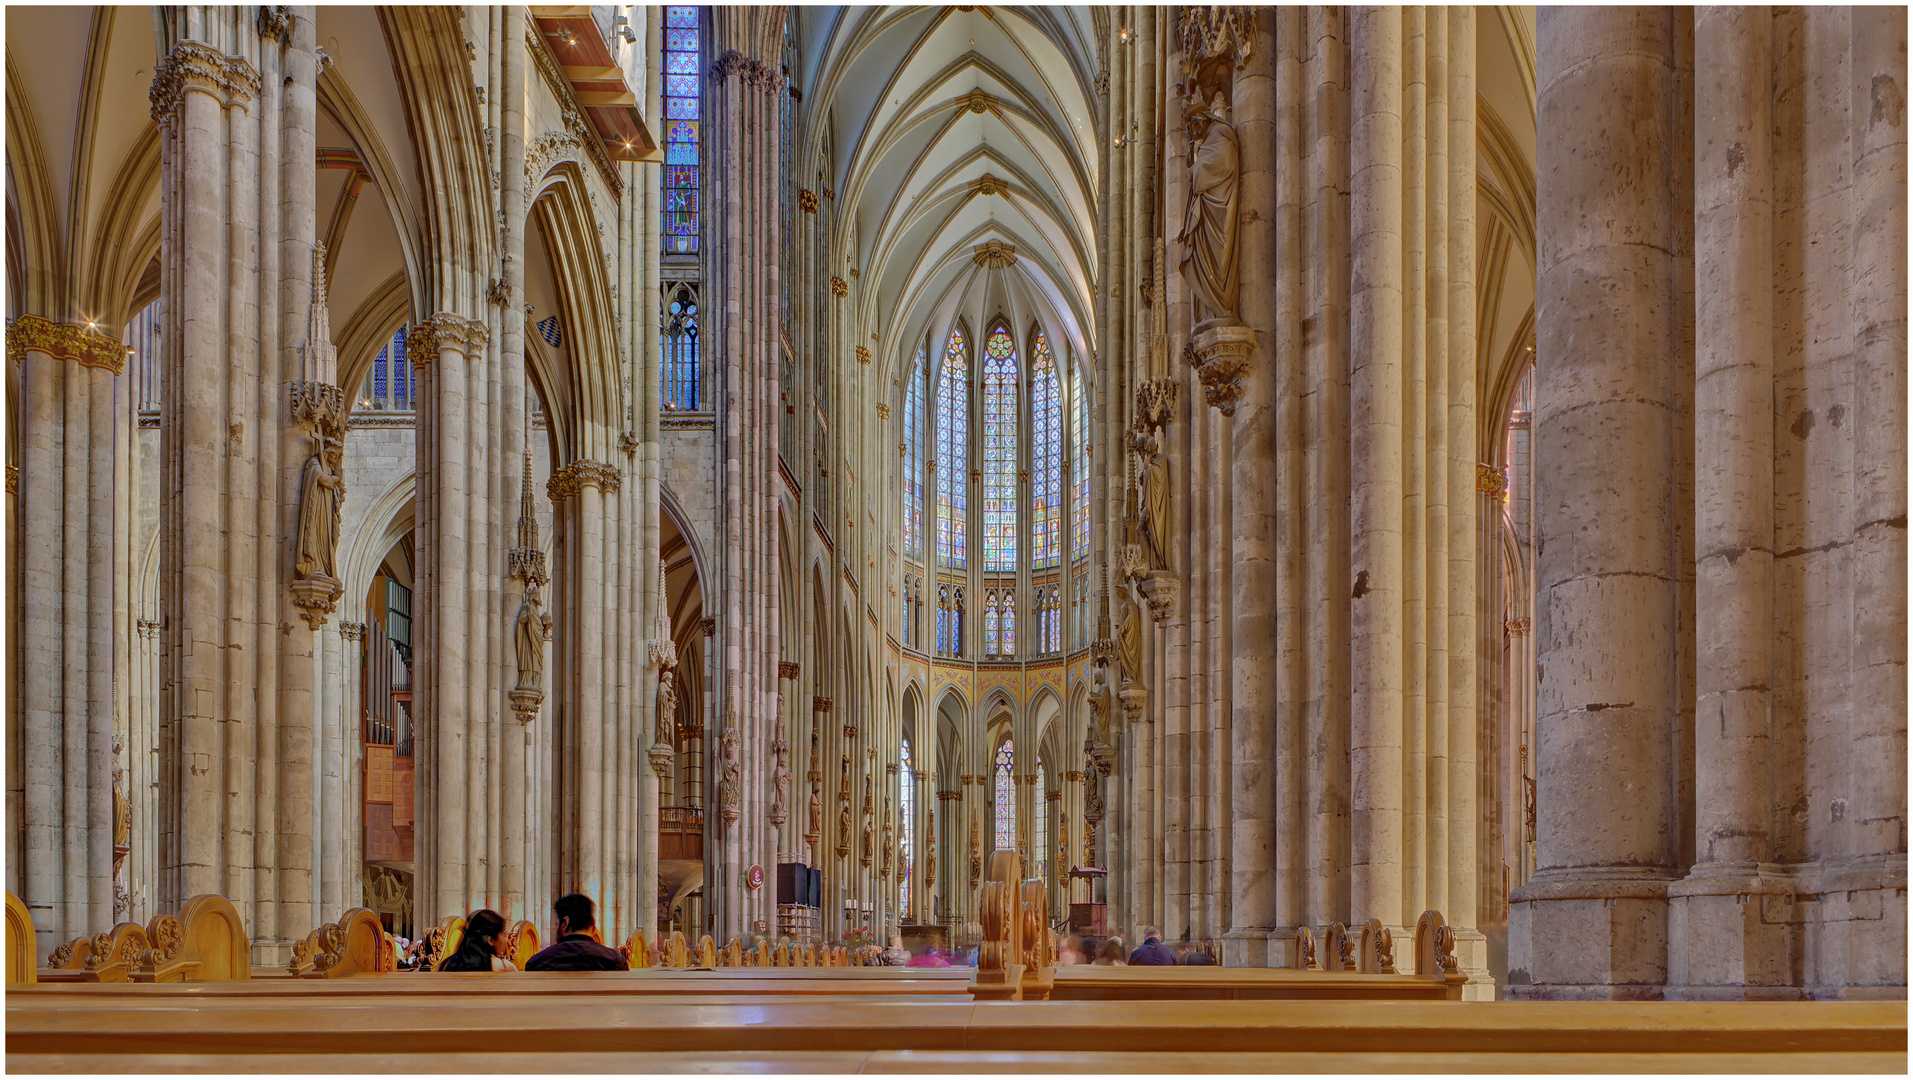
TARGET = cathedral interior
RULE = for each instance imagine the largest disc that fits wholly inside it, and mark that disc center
(751, 465)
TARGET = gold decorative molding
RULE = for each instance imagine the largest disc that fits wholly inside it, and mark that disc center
(64, 341)
(1491, 481)
(995, 254)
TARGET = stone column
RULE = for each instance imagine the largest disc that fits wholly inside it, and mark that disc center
(65, 733)
(235, 100)
(1377, 346)
(1461, 857)
(1592, 922)
(1717, 937)
(1327, 721)
(1260, 739)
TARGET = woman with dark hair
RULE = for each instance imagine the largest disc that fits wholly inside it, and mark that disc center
(483, 946)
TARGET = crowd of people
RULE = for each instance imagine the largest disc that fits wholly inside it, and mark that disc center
(483, 947)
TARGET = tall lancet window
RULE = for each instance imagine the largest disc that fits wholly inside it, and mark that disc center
(1041, 854)
(679, 345)
(999, 452)
(1046, 458)
(1005, 796)
(681, 144)
(907, 805)
(913, 463)
(953, 445)
(1079, 470)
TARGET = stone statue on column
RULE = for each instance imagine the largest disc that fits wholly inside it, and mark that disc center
(321, 502)
(1153, 520)
(1210, 222)
(1129, 640)
(534, 627)
(729, 784)
(780, 771)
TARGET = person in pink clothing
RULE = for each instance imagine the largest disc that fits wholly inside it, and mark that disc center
(929, 957)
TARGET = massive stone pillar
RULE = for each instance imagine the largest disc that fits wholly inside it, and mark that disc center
(1612, 360)
(743, 294)
(1721, 928)
(1377, 347)
(235, 98)
(61, 859)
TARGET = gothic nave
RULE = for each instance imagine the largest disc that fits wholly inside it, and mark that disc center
(747, 464)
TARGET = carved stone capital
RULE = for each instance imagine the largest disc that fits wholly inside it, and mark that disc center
(1220, 355)
(578, 475)
(64, 341)
(456, 331)
(195, 65)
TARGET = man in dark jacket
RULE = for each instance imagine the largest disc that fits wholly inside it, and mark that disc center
(576, 950)
(1152, 950)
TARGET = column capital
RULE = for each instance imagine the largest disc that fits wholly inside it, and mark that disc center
(64, 341)
(578, 475)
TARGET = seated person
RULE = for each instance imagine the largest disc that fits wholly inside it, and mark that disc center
(576, 949)
(1152, 951)
(483, 946)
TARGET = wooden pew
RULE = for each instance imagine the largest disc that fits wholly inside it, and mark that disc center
(22, 944)
(205, 942)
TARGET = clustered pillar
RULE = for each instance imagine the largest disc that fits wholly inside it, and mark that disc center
(1720, 434)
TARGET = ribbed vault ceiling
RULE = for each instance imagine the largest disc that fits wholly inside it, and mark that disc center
(950, 130)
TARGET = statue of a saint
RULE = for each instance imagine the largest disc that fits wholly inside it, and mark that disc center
(1129, 639)
(533, 625)
(1209, 224)
(321, 496)
(667, 725)
(1155, 504)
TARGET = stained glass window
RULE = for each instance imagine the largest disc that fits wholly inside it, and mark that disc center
(907, 803)
(953, 442)
(1008, 641)
(681, 84)
(679, 346)
(913, 464)
(991, 624)
(999, 452)
(1005, 797)
(1046, 458)
(1079, 470)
